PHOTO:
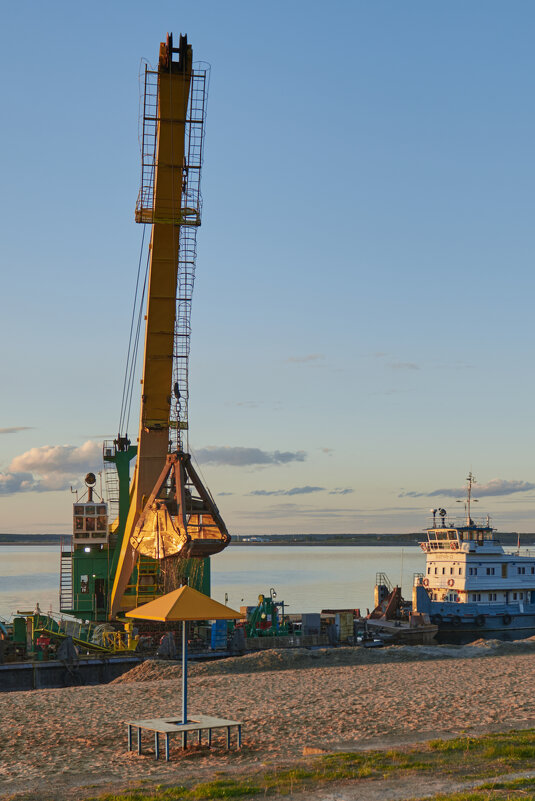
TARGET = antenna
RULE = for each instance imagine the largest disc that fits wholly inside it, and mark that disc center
(471, 481)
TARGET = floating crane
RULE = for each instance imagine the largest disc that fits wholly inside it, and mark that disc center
(166, 523)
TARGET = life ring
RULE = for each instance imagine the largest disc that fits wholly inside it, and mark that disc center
(450, 582)
(436, 619)
(453, 546)
(425, 582)
(456, 620)
(506, 620)
(480, 620)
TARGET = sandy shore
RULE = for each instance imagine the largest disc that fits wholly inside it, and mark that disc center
(72, 741)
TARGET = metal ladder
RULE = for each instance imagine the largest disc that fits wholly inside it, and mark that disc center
(146, 590)
(112, 490)
(65, 575)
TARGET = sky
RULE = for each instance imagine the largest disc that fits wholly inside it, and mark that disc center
(363, 309)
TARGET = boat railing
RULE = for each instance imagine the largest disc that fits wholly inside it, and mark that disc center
(381, 579)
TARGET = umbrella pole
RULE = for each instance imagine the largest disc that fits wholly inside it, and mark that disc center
(184, 673)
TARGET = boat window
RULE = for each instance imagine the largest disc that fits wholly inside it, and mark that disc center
(428, 570)
(443, 570)
(451, 571)
(532, 570)
(514, 596)
(521, 596)
(504, 571)
(436, 570)
(490, 571)
(521, 570)
(460, 571)
(492, 596)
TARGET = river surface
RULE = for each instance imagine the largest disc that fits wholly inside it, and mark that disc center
(306, 578)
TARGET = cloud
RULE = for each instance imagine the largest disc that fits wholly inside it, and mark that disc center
(341, 491)
(242, 457)
(11, 483)
(403, 366)
(224, 494)
(497, 486)
(294, 491)
(310, 357)
(59, 459)
(50, 468)
(15, 429)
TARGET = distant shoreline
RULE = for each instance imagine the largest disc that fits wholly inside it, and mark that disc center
(357, 540)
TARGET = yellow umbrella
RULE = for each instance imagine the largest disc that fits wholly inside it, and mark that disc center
(184, 604)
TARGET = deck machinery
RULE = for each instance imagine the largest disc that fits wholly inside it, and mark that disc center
(165, 522)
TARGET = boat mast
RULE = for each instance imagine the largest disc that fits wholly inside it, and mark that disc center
(471, 480)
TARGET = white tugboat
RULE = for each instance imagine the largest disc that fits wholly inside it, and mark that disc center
(471, 585)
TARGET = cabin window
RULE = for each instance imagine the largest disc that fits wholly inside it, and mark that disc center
(473, 571)
(460, 571)
(515, 596)
(451, 571)
(504, 571)
(532, 570)
(521, 596)
(84, 583)
(473, 597)
(492, 596)
(521, 570)
(428, 570)
(490, 571)
(443, 570)
(436, 570)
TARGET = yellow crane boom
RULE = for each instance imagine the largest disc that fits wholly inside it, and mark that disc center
(169, 507)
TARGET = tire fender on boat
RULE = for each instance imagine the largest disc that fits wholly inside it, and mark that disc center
(456, 620)
(480, 620)
(506, 620)
(436, 619)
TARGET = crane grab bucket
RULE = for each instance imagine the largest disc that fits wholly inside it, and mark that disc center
(180, 517)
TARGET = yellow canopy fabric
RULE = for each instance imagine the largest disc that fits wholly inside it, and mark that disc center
(184, 604)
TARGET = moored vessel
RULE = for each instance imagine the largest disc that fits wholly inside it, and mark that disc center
(471, 586)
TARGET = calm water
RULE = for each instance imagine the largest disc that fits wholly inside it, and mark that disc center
(308, 579)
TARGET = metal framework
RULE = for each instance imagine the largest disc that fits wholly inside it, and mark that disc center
(187, 216)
